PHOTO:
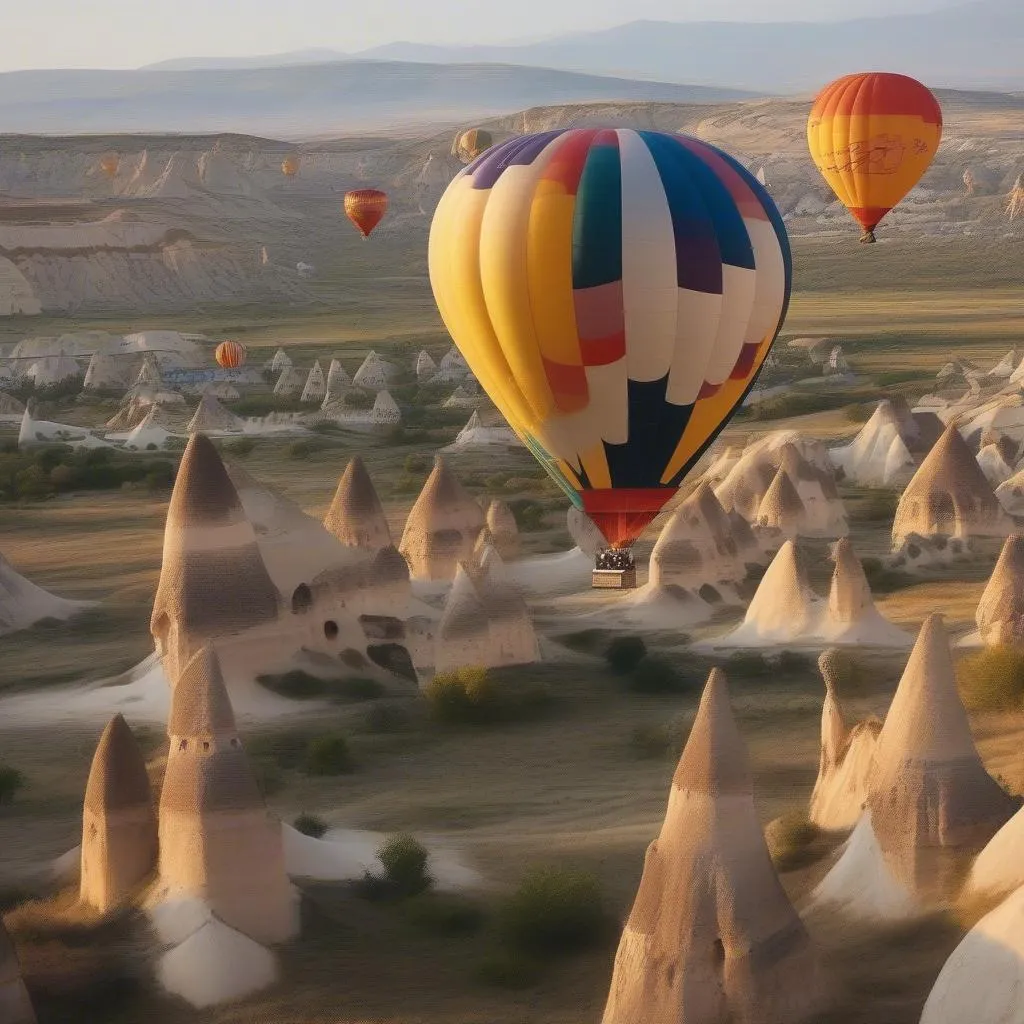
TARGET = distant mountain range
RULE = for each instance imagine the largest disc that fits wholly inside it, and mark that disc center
(304, 100)
(978, 45)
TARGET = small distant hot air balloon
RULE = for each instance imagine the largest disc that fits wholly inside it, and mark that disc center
(230, 355)
(366, 207)
(873, 136)
(109, 164)
(616, 293)
(469, 145)
(290, 166)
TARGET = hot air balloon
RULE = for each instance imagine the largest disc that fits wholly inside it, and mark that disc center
(616, 293)
(872, 136)
(230, 355)
(366, 207)
(469, 145)
(290, 166)
(110, 164)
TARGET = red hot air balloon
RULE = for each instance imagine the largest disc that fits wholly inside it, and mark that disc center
(230, 355)
(366, 207)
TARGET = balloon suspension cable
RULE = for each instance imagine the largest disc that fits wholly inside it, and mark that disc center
(868, 238)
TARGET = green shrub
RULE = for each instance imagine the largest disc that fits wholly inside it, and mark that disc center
(878, 506)
(471, 696)
(242, 448)
(296, 684)
(624, 653)
(328, 755)
(858, 412)
(300, 449)
(405, 865)
(992, 680)
(310, 825)
(417, 462)
(790, 840)
(654, 674)
(555, 910)
(444, 914)
(509, 969)
(11, 781)
(356, 399)
(386, 719)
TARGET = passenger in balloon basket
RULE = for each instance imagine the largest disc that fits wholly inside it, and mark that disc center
(616, 560)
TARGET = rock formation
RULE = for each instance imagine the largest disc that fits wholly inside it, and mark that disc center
(15, 1004)
(949, 496)
(442, 527)
(1000, 614)
(356, 516)
(712, 936)
(315, 389)
(212, 418)
(119, 833)
(504, 532)
(216, 840)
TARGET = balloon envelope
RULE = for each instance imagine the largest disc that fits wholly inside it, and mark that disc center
(616, 293)
(873, 136)
(109, 165)
(230, 355)
(366, 207)
(289, 167)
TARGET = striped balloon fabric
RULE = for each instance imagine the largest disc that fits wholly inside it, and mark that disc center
(616, 293)
(366, 207)
(230, 355)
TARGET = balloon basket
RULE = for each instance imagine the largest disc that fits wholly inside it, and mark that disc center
(868, 238)
(614, 579)
(614, 570)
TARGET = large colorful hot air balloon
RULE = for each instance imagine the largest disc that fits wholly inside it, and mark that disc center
(290, 166)
(230, 355)
(872, 136)
(469, 145)
(615, 292)
(366, 207)
(109, 164)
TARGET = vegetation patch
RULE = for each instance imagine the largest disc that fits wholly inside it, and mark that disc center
(310, 825)
(328, 755)
(992, 680)
(42, 473)
(473, 696)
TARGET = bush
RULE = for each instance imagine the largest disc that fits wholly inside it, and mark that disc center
(858, 412)
(879, 506)
(471, 696)
(444, 914)
(555, 910)
(624, 653)
(356, 399)
(790, 840)
(11, 781)
(310, 825)
(417, 463)
(509, 969)
(300, 449)
(295, 684)
(328, 755)
(405, 865)
(655, 675)
(992, 680)
(160, 478)
(246, 446)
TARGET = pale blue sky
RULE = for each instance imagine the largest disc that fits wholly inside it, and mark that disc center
(130, 33)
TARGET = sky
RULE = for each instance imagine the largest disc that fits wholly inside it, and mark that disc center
(132, 33)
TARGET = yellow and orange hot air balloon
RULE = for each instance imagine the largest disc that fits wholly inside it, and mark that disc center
(616, 293)
(110, 164)
(230, 355)
(872, 136)
(366, 207)
(290, 166)
(469, 145)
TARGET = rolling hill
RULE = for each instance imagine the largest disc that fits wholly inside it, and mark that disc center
(305, 100)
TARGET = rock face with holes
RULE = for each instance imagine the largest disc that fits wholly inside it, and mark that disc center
(119, 836)
(712, 936)
(442, 527)
(949, 496)
(217, 842)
